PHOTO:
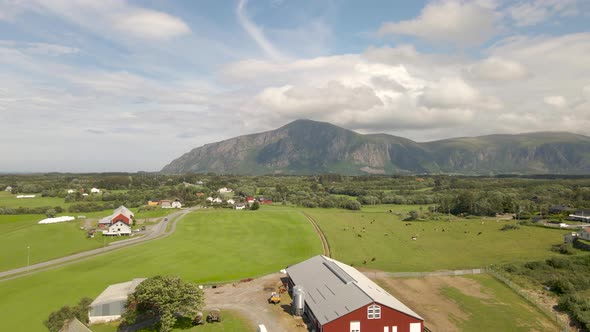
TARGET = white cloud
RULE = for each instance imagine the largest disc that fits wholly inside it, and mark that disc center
(527, 13)
(557, 101)
(499, 69)
(463, 23)
(449, 93)
(255, 32)
(117, 18)
(150, 24)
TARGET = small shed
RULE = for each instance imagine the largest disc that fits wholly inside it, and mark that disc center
(109, 305)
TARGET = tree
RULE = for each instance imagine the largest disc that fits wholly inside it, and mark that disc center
(50, 213)
(57, 319)
(255, 206)
(164, 298)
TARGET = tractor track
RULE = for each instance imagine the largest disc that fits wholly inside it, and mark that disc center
(318, 230)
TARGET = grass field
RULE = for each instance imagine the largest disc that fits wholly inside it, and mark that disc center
(207, 247)
(355, 237)
(46, 242)
(232, 321)
(468, 303)
(10, 200)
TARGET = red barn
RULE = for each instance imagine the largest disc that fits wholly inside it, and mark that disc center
(339, 298)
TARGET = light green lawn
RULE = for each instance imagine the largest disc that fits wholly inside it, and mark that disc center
(458, 247)
(232, 321)
(10, 200)
(503, 311)
(207, 247)
(46, 242)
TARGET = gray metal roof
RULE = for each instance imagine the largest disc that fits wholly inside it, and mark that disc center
(117, 292)
(333, 289)
(74, 325)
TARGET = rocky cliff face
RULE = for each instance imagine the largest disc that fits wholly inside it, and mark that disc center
(308, 147)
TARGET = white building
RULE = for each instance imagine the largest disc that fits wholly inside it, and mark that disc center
(109, 305)
(241, 206)
(217, 200)
(95, 191)
(209, 199)
(224, 190)
(176, 205)
(9, 189)
(118, 223)
(70, 191)
(231, 201)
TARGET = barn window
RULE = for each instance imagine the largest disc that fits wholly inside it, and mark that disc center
(374, 312)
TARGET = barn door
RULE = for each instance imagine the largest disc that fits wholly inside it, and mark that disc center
(355, 326)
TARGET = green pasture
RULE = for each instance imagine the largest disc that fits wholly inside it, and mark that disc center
(360, 236)
(10, 200)
(504, 310)
(232, 321)
(209, 246)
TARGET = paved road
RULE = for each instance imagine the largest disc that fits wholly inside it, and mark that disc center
(158, 231)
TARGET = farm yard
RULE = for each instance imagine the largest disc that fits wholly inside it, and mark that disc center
(468, 303)
(209, 246)
(377, 239)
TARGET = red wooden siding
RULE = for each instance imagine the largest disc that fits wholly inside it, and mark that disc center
(389, 317)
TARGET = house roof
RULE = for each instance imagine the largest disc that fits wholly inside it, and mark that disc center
(117, 292)
(582, 212)
(74, 325)
(333, 289)
(118, 211)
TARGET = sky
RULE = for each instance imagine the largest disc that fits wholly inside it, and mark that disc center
(115, 85)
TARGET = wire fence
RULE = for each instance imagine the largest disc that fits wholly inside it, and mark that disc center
(563, 323)
(435, 274)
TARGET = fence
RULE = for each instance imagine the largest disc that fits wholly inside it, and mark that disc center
(564, 324)
(437, 273)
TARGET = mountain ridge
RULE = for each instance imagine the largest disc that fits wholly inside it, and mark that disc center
(312, 147)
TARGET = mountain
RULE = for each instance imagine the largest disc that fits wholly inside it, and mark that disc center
(311, 147)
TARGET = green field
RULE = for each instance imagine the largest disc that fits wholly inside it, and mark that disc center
(504, 310)
(389, 240)
(10, 200)
(232, 321)
(207, 247)
(46, 242)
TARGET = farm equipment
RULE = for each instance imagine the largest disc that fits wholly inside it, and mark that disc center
(274, 298)
(198, 320)
(214, 316)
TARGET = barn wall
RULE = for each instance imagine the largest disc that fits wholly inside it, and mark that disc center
(389, 317)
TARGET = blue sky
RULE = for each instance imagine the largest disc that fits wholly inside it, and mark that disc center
(117, 85)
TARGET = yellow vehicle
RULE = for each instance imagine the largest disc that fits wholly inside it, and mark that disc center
(274, 298)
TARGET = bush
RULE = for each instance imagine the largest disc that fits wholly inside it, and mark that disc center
(558, 263)
(509, 227)
(561, 285)
(351, 205)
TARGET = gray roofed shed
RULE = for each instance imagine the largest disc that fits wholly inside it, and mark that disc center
(109, 305)
(333, 289)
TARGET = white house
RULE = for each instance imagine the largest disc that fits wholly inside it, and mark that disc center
(176, 204)
(240, 206)
(224, 190)
(118, 223)
(95, 191)
(210, 199)
(217, 200)
(71, 191)
(231, 201)
(84, 194)
(9, 189)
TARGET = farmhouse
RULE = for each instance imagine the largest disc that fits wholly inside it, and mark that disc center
(580, 215)
(249, 199)
(176, 204)
(240, 206)
(231, 201)
(337, 298)
(109, 305)
(95, 191)
(70, 191)
(166, 204)
(118, 223)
